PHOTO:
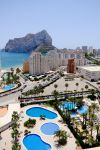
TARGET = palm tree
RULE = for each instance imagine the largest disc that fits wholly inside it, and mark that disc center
(84, 123)
(89, 112)
(55, 86)
(86, 133)
(74, 94)
(94, 107)
(92, 91)
(15, 132)
(91, 126)
(77, 84)
(12, 69)
(90, 140)
(36, 90)
(76, 126)
(82, 89)
(62, 137)
(97, 128)
(18, 70)
(86, 87)
(55, 94)
(66, 85)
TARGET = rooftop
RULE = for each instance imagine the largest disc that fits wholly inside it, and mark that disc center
(91, 68)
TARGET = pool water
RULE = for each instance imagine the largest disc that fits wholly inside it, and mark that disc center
(69, 105)
(38, 111)
(34, 142)
(83, 110)
(49, 128)
(8, 87)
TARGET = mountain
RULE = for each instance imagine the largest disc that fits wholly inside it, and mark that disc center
(30, 42)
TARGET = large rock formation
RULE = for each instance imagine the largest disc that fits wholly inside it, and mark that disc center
(29, 42)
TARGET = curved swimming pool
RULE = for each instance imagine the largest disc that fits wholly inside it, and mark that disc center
(49, 128)
(9, 87)
(34, 142)
(38, 111)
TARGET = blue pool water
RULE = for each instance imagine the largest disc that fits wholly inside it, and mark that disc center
(34, 142)
(69, 105)
(8, 60)
(49, 128)
(38, 111)
(8, 87)
(83, 110)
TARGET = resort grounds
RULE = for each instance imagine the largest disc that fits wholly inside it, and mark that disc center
(5, 142)
(63, 84)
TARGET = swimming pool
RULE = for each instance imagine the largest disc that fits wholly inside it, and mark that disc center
(83, 110)
(34, 142)
(69, 105)
(49, 128)
(38, 111)
(8, 87)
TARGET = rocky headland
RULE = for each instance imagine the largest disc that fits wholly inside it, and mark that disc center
(40, 41)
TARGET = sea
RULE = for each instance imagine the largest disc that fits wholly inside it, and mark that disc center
(9, 60)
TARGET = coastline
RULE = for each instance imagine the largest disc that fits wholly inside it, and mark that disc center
(14, 67)
(3, 70)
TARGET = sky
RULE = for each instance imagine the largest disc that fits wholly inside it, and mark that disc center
(70, 23)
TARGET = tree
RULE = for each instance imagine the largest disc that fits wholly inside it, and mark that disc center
(12, 69)
(82, 89)
(66, 85)
(77, 84)
(62, 137)
(56, 94)
(97, 128)
(86, 87)
(94, 107)
(55, 86)
(36, 90)
(91, 127)
(90, 140)
(18, 70)
(92, 91)
(15, 132)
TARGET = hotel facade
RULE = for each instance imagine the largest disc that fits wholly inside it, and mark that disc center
(40, 64)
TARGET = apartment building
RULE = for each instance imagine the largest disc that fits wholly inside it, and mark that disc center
(38, 64)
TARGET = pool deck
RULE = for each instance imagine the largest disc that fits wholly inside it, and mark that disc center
(7, 117)
(47, 138)
(50, 139)
(3, 111)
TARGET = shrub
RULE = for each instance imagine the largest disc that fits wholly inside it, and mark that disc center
(30, 123)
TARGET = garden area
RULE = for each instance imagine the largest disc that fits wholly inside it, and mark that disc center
(85, 126)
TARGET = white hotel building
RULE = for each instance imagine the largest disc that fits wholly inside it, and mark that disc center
(39, 64)
(91, 73)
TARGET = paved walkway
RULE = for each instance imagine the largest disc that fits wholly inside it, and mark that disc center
(6, 141)
(7, 118)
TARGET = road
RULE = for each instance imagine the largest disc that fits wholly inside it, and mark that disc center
(29, 85)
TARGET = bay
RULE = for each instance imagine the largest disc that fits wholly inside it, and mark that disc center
(8, 60)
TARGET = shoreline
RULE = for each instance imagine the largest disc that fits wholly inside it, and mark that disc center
(3, 70)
